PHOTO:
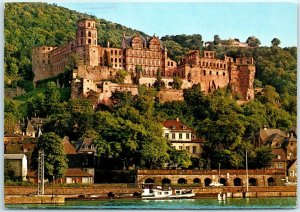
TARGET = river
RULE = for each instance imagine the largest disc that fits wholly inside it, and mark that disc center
(236, 203)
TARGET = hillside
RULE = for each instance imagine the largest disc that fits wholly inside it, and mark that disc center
(33, 24)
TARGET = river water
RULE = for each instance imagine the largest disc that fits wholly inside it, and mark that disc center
(236, 203)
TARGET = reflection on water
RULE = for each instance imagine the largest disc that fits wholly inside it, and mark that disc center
(259, 203)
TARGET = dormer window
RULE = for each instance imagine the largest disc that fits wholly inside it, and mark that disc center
(183, 127)
(173, 127)
(278, 156)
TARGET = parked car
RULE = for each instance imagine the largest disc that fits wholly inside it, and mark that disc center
(290, 183)
(215, 184)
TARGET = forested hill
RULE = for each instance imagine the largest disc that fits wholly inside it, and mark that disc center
(32, 24)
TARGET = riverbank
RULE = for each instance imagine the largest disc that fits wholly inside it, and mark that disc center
(24, 194)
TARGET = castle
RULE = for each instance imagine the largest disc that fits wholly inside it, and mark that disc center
(142, 58)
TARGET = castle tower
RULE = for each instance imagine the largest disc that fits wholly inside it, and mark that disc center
(86, 33)
(86, 42)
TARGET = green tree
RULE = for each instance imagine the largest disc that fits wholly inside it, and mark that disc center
(275, 42)
(179, 158)
(177, 83)
(159, 83)
(263, 157)
(253, 41)
(55, 158)
(217, 39)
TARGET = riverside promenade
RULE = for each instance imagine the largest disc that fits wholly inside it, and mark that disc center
(124, 191)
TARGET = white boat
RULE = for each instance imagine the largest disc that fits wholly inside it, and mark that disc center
(150, 191)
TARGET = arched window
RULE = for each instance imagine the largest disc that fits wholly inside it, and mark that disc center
(237, 182)
(89, 24)
(207, 181)
(149, 180)
(223, 181)
(271, 181)
(252, 182)
(81, 33)
(89, 41)
(196, 181)
(89, 34)
(181, 181)
(166, 181)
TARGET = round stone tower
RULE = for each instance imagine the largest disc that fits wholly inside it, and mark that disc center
(86, 42)
(86, 33)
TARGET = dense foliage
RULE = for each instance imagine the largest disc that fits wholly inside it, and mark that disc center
(34, 24)
(130, 130)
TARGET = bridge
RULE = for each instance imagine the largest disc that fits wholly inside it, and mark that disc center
(256, 177)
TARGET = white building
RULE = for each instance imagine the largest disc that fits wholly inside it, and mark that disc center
(18, 163)
(182, 137)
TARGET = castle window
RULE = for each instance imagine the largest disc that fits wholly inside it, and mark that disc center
(225, 66)
(89, 41)
(116, 52)
(48, 48)
(116, 60)
(204, 73)
(81, 33)
(217, 73)
(111, 51)
(223, 73)
(120, 52)
(89, 24)
(44, 48)
(209, 72)
(89, 34)
(168, 63)
(221, 65)
(119, 60)
(111, 60)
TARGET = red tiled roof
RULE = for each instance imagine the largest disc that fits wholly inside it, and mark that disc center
(176, 125)
(279, 151)
(68, 147)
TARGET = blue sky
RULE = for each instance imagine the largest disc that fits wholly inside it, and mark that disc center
(229, 20)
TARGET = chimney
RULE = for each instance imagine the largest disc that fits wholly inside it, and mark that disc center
(265, 127)
(177, 119)
(107, 44)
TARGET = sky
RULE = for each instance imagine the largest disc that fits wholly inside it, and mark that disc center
(264, 20)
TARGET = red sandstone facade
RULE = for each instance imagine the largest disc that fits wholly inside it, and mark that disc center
(143, 58)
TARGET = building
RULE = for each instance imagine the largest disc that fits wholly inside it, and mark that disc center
(72, 175)
(182, 137)
(143, 58)
(18, 163)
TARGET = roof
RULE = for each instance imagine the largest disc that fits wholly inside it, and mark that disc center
(265, 133)
(279, 151)
(276, 140)
(127, 41)
(68, 147)
(176, 125)
(14, 156)
(39, 120)
(290, 164)
(29, 127)
(77, 173)
(86, 146)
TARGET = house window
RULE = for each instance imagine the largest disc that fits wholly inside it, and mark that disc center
(194, 149)
(173, 135)
(187, 149)
(166, 135)
(187, 135)
(279, 165)
(180, 135)
(180, 147)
